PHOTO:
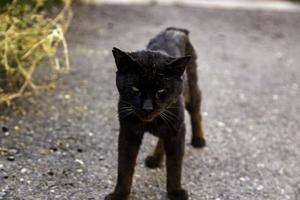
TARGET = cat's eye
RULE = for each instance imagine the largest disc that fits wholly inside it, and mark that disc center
(161, 91)
(135, 89)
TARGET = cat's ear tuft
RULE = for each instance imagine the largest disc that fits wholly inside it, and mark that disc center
(124, 61)
(178, 65)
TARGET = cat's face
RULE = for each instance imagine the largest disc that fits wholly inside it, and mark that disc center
(148, 82)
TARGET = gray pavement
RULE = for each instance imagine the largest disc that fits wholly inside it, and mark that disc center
(62, 144)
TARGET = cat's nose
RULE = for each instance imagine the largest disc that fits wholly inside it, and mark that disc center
(147, 106)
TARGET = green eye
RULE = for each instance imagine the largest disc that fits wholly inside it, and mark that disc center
(135, 89)
(161, 91)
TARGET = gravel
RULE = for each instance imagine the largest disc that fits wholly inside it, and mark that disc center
(66, 140)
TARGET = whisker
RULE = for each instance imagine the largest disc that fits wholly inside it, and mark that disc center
(167, 120)
(125, 102)
(164, 120)
(125, 106)
(124, 109)
(173, 118)
(125, 112)
(124, 116)
(172, 114)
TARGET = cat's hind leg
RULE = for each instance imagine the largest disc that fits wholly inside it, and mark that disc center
(193, 102)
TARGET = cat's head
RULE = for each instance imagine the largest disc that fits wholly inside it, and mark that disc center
(148, 82)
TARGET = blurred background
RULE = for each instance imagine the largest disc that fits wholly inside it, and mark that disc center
(58, 100)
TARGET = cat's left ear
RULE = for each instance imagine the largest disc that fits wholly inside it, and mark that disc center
(177, 66)
(123, 60)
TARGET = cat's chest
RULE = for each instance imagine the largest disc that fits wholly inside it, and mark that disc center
(160, 128)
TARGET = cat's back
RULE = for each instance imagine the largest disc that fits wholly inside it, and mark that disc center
(172, 40)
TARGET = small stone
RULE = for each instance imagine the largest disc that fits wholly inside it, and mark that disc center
(281, 171)
(109, 182)
(12, 151)
(260, 187)
(221, 124)
(67, 96)
(260, 165)
(5, 129)
(17, 128)
(275, 97)
(79, 161)
(69, 184)
(205, 114)
(91, 134)
(23, 170)
(244, 179)
(236, 120)
(11, 158)
(50, 173)
(54, 149)
(242, 97)
(2, 195)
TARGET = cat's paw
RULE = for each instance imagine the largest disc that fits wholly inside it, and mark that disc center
(153, 162)
(114, 196)
(198, 142)
(178, 195)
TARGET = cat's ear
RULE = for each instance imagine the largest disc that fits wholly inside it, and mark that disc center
(177, 66)
(124, 61)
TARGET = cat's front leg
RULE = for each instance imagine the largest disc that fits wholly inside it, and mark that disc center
(174, 148)
(129, 144)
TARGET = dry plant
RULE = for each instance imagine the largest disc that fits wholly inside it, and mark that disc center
(31, 39)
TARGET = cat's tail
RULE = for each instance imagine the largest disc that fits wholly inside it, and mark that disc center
(185, 31)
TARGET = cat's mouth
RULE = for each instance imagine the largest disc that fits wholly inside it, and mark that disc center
(147, 117)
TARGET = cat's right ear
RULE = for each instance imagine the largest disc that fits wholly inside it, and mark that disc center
(124, 61)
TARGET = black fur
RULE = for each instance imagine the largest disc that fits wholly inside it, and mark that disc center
(153, 92)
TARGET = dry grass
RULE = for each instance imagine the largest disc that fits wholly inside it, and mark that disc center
(29, 41)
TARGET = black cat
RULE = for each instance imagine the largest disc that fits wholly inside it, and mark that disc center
(153, 90)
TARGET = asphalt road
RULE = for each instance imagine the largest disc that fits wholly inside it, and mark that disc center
(63, 143)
